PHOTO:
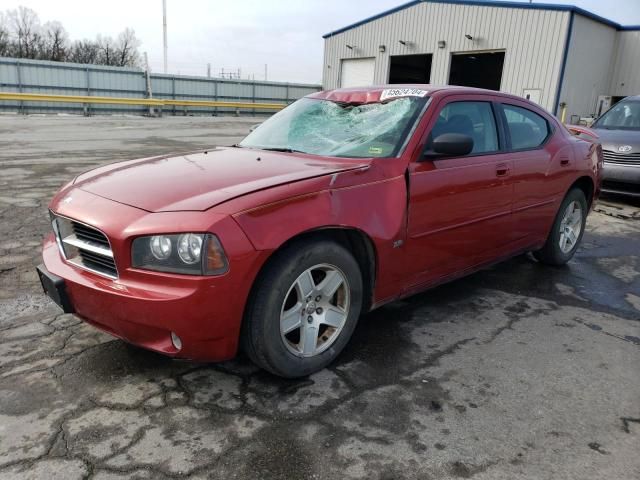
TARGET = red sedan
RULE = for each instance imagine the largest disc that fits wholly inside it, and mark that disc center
(340, 203)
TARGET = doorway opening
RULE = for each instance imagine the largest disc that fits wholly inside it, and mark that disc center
(481, 70)
(410, 68)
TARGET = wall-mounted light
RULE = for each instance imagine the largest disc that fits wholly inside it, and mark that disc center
(382, 48)
(403, 42)
(350, 47)
(442, 44)
(468, 37)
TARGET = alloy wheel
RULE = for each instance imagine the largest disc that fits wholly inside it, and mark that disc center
(570, 227)
(315, 310)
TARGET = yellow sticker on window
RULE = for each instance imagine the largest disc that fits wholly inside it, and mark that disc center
(375, 150)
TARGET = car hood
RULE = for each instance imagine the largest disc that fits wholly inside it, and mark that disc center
(201, 180)
(614, 139)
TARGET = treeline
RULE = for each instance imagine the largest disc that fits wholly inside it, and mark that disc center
(23, 36)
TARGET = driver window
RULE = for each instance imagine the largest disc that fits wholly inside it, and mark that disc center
(474, 119)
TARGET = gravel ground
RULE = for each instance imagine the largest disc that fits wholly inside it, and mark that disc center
(517, 372)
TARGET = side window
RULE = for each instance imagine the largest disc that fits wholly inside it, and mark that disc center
(474, 119)
(527, 129)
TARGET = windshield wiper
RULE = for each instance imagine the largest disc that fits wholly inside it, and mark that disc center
(281, 149)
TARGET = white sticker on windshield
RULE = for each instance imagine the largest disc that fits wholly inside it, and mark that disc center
(401, 92)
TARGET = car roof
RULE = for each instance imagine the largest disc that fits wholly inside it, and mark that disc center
(372, 94)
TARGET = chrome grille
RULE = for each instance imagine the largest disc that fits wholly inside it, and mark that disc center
(84, 246)
(621, 158)
(91, 235)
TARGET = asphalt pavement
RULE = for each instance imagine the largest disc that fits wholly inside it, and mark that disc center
(520, 371)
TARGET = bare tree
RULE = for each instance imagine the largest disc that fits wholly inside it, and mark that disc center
(83, 51)
(127, 44)
(5, 37)
(22, 36)
(55, 42)
(106, 51)
(26, 28)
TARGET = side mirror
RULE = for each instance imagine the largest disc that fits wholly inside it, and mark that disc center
(450, 145)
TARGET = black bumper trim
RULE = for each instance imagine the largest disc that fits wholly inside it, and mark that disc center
(55, 288)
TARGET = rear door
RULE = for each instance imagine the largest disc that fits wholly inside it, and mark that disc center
(538, 164)
(459, 208)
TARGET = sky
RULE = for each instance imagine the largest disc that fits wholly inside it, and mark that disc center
(243, 34)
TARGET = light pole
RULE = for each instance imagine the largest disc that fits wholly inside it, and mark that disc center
(164, 32)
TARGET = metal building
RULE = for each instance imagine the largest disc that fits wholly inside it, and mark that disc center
(571, 61)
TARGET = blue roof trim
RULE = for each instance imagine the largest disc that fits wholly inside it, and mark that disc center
(492, 3)
(372, 18)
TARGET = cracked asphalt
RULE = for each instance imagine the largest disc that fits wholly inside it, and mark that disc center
(517, 372)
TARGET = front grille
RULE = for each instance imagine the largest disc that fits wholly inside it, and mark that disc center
(85, 246)
(89, 234)
(621, 158)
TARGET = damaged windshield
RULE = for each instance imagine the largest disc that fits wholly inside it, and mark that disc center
(323, 127)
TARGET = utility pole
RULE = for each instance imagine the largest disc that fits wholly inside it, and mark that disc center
(265, 72)
(164, 32)
(147, 77)
(208, 70)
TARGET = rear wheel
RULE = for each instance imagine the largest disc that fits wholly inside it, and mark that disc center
(304, 308)
(567, 230)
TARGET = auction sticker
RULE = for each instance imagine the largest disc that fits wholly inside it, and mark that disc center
(401, 92)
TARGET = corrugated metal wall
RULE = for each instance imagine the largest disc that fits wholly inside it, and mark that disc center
(19, 75)
(626, 65)
(588, 69)
(534, 42)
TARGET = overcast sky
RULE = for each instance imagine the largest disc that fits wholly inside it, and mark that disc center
(245, 34)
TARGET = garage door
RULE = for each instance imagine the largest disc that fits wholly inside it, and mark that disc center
(357, 72)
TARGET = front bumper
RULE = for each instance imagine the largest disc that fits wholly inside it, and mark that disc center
(205, 312)
(624, 179)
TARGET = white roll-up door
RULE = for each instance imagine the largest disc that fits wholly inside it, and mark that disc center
(357, 72)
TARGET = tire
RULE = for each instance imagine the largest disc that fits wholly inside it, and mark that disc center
(296, 288)
(553, 253)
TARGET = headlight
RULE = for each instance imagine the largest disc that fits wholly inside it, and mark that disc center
(160, 246)
(187, 253)
(189, 247)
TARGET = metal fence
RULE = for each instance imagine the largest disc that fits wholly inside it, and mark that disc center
(58, 78)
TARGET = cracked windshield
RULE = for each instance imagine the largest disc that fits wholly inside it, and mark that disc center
(323, 127)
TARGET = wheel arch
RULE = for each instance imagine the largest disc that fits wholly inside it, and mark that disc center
(356, 241)
(586, 184)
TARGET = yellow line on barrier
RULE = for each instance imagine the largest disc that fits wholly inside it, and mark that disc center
(157, 102)
(204, 103)
(38, 97)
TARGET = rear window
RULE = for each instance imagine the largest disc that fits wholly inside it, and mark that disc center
(526, 128)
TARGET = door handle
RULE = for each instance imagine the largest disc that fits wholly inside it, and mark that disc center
(502, 170)
(564, 161)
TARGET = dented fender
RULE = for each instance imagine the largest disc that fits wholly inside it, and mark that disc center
(377, 209)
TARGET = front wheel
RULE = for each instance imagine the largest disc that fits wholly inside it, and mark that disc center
(567, 230)
(304, 308)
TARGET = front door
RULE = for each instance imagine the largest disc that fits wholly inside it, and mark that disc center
(459, 208)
